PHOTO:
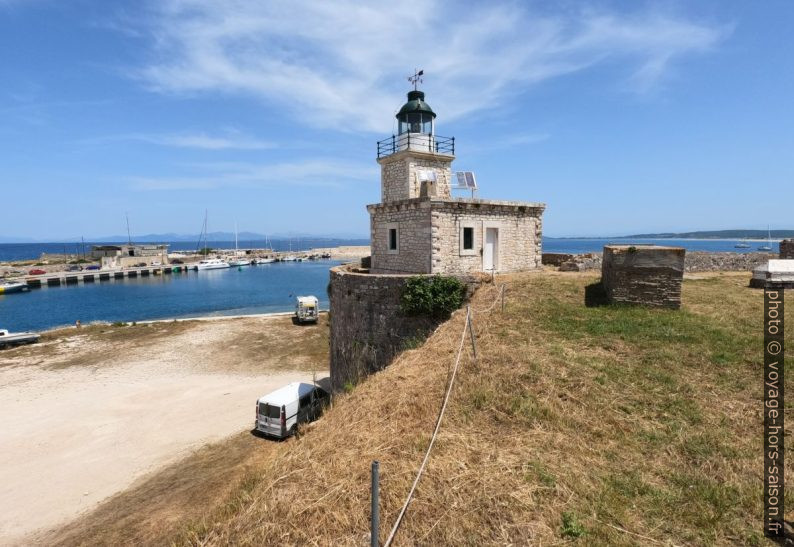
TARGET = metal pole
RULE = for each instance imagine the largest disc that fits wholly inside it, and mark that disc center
(503, 298)
(471, 332)
(375, 511)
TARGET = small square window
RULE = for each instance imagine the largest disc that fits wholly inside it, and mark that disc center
(392, 239)
(468, 238)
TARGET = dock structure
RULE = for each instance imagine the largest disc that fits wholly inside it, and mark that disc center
(91, 276)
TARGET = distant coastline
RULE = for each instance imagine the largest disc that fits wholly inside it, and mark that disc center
(703, 235)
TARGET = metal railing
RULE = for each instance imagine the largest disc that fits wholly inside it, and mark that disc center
(420, 142)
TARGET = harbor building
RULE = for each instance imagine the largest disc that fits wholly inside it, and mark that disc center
(419, 227)
(125, 256)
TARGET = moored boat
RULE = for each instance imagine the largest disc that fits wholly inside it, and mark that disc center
(7, 287)
(212, 264)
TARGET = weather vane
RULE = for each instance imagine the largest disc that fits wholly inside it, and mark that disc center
(416, 78)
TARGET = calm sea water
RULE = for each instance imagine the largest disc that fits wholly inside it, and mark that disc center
(255, 289)
(554, 245)
(265, 288)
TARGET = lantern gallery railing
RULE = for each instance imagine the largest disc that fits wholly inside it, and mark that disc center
(420, 142)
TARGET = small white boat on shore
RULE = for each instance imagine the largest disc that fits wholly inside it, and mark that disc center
(7, 287)
(16, 338)
(212, 264)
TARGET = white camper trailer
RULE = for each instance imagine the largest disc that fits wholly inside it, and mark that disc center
(307, 309)
(279, 413)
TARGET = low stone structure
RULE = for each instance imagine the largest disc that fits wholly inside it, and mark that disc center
(555, 259)
(646, 275)
(787, 249)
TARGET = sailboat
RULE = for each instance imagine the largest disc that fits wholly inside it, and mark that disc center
(290, 257)
(742, 244)
(270, 259)
(237, 262)
(208, 263)
(768, 246)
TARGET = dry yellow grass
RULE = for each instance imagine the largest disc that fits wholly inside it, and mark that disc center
(612, 425)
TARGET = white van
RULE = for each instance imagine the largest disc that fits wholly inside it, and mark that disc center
(279, 413)
(307, 309)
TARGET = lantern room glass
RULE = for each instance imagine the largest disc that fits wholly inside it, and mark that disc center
(416, 122)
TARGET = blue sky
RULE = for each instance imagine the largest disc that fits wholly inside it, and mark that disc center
(623, 117)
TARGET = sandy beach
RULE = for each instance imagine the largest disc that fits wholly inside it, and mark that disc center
(87, 412)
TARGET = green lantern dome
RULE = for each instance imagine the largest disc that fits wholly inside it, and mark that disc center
(416, 116)
(416, 103)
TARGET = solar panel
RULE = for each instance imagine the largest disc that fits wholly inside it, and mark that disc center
(466, 180)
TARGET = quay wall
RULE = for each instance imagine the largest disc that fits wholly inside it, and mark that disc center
(367, 326)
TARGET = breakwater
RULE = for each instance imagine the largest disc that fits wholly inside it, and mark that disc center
(696, 261)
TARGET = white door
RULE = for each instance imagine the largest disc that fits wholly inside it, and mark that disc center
(490, 254)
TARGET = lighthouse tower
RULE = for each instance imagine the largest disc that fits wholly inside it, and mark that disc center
(420, 227)
(415, 162)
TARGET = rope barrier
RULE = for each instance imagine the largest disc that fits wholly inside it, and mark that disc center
(466, 326)
(435, 432)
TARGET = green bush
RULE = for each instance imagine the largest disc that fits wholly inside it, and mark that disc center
(436, 296)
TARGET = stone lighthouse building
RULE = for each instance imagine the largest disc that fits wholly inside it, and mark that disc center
(419, 227)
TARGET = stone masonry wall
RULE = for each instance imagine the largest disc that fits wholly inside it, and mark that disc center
(367, 327)
(520, 228)
(413, 234)
(644, 275)
(442, 165)
(787, 248)
(399, 175)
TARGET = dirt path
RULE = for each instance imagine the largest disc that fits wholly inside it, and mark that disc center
(86, 417)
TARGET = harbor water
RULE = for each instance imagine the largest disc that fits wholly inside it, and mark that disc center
(265, 288)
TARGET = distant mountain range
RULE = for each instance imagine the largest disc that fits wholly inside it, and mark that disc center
(212, 236)
(295, 236)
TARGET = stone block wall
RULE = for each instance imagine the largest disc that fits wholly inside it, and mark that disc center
(787, 248)
(413, 220)
(429, 233)
(367, 327)
(519, 225)
(399, 179)
(555, 259)
(643, 274)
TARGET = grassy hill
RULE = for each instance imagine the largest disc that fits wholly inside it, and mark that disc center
(602, 425)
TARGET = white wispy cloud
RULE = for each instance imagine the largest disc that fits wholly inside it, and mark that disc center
(231, 140)
(208, 142)
(314, 173)
(339, 64)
